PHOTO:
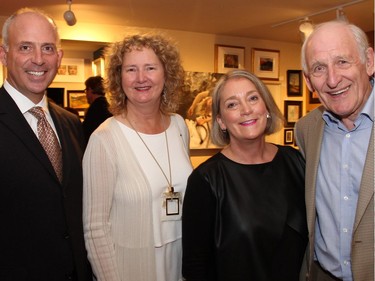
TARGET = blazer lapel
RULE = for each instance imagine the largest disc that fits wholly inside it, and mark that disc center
(315, 136)
(366, 192)
(12, 118)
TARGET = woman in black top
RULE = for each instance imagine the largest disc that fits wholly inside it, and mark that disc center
(244, 212)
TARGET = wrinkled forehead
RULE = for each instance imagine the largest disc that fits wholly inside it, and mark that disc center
(331, 41)
(334, 33)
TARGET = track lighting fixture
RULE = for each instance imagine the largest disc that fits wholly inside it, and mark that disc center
(306, 26)
(69, 16)
(340, 15)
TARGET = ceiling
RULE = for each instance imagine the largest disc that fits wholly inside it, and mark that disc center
(244, 18)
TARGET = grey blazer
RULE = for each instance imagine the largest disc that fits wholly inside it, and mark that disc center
(309, 135)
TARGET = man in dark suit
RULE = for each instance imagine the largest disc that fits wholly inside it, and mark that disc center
(98, 111)
(337, 140)
(41, 214)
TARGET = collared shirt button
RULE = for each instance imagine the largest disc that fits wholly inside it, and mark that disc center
(347, 135)
(345, 229)
(346, 198)
(346, 262)
(66, 236)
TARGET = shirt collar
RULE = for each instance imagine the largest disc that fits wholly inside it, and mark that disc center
(23, 103)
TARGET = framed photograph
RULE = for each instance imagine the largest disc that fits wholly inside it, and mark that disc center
(294, 80)
(288, 136)
(292, 112)
(265, 63)
(71, 70)
(77, 99)
(228, 58)
(313, 97)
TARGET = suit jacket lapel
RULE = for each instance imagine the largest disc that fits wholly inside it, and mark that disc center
(316, 128)
(366, 191)
(13, 119)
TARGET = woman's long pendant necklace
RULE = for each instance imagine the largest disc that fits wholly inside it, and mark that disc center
(172, 199)
(169, 181)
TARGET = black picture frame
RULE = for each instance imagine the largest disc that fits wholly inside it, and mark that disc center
(77, 101)
(313, 98)
(294, 80)
(292, 112)
(289, 136)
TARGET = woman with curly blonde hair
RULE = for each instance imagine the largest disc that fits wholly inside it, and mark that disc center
(168, 56)
(136, 165)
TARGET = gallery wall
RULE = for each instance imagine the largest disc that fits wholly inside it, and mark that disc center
(198, 55)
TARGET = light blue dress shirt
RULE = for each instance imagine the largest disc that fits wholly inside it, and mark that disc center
(340, 169)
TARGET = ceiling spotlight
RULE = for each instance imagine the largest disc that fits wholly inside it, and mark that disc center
(340, 15)
(306, 27)
(69, 16)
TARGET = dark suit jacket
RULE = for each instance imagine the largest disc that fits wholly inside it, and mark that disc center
(309, 135)
(96, 114)
(41, 237)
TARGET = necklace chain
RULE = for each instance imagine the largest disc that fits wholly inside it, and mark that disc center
(170, 187)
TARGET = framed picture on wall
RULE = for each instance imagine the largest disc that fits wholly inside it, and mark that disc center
(71, 70)
(265, 63)
(294, 80)
(292, 112)
(228, 58)
(313, 98)
(288, 136)
(195, 107)
(77, 101)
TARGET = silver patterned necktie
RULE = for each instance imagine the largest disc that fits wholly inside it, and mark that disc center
(48, 139)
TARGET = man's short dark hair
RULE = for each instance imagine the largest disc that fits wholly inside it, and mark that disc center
(95, 83)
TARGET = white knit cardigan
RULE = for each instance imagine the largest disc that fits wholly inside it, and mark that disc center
(117, 207)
